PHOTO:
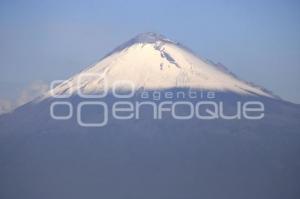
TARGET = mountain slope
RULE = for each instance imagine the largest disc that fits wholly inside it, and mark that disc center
(151, 61)
(41, 157)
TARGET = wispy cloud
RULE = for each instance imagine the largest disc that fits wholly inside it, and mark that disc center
(5, 106)
(29, 93)
(32, 91)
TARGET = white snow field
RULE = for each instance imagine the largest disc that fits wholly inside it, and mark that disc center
(152, 61)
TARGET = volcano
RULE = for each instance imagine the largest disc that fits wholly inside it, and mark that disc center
(42, 156)
(152, 61)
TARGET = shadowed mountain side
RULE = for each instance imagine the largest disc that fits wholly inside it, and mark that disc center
(146, 158)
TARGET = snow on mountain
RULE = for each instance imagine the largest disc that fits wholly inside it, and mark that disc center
(42, 157)
(152, 61)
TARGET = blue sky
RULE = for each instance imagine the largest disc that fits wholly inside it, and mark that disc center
(46, 40)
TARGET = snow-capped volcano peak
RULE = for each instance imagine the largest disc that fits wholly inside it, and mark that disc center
(144, 38)
(152, 61)
(150, 37)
